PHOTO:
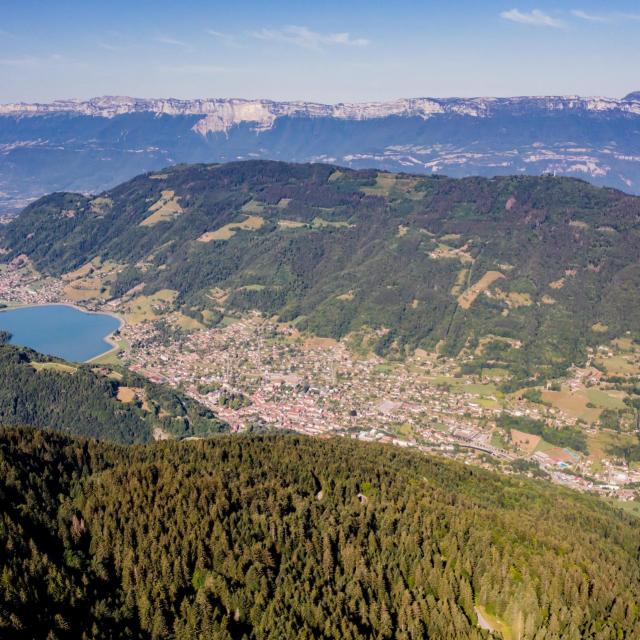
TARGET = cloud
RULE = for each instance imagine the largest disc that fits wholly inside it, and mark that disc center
(226, 38)
(589, 17)
(616, 16)
(116, 41)
(108, 47)
(173, 42)
(21, 61)
(535, 18)
(309, 39)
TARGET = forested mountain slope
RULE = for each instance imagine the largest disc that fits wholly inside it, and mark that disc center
(551, 263)
(290, 537)
(94, 401)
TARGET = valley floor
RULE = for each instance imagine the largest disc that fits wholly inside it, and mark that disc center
(260, 374)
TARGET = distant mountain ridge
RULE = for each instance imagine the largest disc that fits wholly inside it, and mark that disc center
(92, 145)
(220, 114)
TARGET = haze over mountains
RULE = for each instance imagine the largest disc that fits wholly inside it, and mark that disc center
(92, 145)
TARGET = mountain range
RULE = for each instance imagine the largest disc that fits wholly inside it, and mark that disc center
(538, 269)
(92, 145)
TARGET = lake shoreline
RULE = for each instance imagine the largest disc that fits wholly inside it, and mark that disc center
(110, 338)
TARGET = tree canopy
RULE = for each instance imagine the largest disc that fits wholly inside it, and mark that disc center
(283, 536)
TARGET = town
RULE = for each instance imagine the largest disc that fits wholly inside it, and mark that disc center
(257, 373)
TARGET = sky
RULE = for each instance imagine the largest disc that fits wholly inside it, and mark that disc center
(317, 50)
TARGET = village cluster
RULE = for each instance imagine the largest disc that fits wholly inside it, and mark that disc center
(319, 387)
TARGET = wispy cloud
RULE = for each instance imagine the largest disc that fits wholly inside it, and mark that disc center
(226, 38)
(309, 39)
(173, 42)
(107, 46)
(615, 16)
(535, 18)
(19, 61)
(590, 17)
(116, 41)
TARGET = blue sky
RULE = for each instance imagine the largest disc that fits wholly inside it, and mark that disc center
(323, 50)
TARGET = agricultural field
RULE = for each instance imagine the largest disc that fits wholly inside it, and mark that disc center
(461, 279)
(620, 358)
(385, 182)
(165, 209)
(601, 442)
(392, 185)
(250, 223)
(150, 307)
(253, 207)
(92, 281)
(468, 297)
(187, 323)
(584, 403)
(631, 507)
(54, 366)
(319, 223)
(445, 252)
(290, 224)
(127, 394)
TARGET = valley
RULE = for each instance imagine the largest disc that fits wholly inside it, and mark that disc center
(258, 373)
(347, 350)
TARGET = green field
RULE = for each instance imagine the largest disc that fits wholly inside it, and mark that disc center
(630, 506)
(604, 400)
(600, 443)
(54, 366)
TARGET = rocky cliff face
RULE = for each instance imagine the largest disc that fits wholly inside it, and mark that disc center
(222, 114)
(92, 145)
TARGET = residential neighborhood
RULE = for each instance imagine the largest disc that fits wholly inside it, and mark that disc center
(320, 387)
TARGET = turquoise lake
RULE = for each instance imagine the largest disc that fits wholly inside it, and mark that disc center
(58, 330)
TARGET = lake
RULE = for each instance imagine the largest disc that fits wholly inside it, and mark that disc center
(59, 330)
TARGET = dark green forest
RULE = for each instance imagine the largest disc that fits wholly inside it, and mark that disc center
(82, 400)
(283, 536)
(340, 250)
